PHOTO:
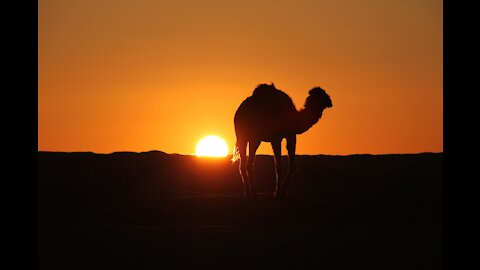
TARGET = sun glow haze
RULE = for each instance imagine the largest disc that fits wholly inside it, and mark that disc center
(159, 75)
(211, 146)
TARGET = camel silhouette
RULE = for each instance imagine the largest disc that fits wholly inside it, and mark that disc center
(269, 115)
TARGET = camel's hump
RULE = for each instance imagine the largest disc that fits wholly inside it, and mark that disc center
(264, 104)
(268, 91)
(264, 89)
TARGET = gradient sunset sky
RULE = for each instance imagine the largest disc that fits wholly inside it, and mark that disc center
(144, 75)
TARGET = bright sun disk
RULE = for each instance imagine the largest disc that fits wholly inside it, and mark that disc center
(212, 146)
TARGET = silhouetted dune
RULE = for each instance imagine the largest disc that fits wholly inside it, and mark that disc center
(114, 210)
(84, 177)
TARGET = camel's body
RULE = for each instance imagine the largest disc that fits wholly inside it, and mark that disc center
(265, 117)
(269, 115)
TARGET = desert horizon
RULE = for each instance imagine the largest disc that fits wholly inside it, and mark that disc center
(230, 155)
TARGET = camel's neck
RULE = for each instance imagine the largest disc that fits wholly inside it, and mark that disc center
(307, 118)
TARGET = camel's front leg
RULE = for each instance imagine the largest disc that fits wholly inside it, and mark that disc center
(292, 166)
(277, 151)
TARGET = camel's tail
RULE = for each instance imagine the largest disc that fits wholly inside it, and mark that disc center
(236, 153)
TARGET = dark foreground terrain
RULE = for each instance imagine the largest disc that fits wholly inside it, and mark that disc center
(158, 211)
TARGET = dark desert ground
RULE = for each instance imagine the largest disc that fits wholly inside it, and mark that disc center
(153, 210)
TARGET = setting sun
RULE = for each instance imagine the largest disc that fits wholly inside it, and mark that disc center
(212, 146)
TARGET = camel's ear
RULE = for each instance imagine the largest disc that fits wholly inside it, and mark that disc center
(316, 90)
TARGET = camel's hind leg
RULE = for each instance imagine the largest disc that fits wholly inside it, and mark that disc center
(242, 149)
(252, 149)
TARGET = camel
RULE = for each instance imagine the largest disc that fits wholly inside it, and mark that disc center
(269, 115)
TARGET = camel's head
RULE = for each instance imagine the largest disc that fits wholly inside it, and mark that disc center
(318, 99)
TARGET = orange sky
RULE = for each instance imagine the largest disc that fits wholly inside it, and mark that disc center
(159, 75)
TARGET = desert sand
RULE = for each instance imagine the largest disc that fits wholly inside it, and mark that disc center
(154, 210)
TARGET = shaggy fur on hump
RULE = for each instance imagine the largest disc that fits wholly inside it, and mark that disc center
(264, 88)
